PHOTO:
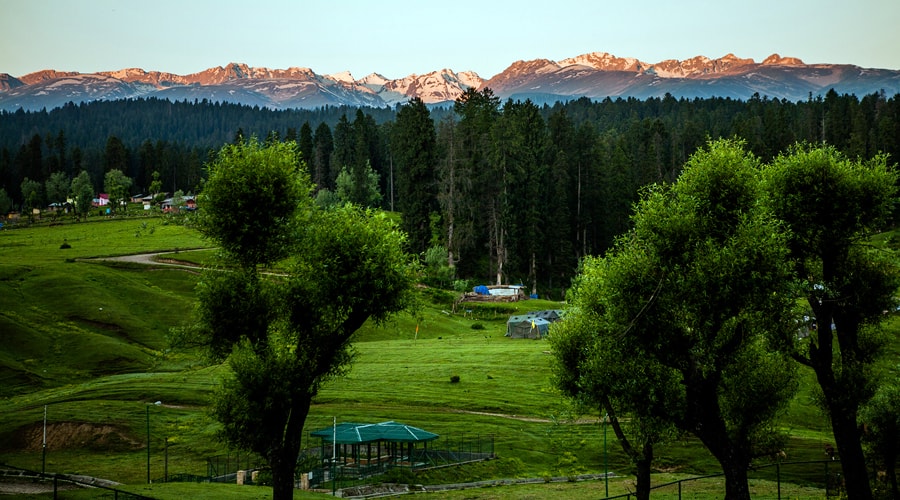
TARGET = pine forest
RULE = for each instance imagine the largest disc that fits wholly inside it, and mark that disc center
(487, 191)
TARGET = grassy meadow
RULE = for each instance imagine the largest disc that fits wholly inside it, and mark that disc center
(88, 339)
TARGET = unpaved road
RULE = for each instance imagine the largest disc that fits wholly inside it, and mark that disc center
(154, 258)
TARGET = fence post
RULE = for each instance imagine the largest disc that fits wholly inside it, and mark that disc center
(778, 477)
(679, 490)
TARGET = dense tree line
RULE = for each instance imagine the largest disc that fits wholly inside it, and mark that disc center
(506, 191)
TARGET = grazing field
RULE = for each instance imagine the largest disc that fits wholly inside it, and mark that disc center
(87, 339)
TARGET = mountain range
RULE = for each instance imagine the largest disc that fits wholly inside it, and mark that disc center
(596, 75)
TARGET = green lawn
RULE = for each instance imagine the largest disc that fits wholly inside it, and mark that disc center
(89, 340)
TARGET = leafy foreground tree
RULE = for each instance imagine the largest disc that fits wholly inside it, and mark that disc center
(831, 204)
(696, 298)
(286, 333)
(591, 368)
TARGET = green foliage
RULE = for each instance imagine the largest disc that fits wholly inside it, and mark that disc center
(830, 205)
(545, 174)
(437, 272)
(400, 476)
(6, 202)
(326, 199)
(697, 298)
(359, 186)
(503, 378)
(287, 334)
(413, 152)
(252, 200)
(82, 190)
(440, 297)
(32, 194)
(117, 184)
(881, 417)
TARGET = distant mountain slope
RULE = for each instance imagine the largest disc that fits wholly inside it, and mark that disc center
(595, 75)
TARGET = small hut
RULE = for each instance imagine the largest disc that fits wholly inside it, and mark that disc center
(368, 449)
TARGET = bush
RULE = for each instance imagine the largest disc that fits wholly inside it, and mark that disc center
(400, 476)
(264, 478)
(454, 379)
(478, 326)
(440, 297)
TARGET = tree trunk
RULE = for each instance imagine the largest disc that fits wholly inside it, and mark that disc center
(849, 448)
(283, 459)
(643, 472)
(733, 460)
(842, 403)
(642, 459)
(704, 419)
(891, 466)
(736, 487)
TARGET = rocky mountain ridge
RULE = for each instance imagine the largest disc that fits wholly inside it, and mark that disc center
(595, 75)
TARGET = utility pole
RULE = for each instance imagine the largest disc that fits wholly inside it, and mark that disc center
(44, 445)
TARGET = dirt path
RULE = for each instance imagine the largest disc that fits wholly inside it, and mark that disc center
(521, 418)
(153, 258)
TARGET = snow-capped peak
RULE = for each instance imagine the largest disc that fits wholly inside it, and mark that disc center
(343, 76)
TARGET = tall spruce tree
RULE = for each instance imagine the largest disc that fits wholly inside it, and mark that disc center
(413, 143)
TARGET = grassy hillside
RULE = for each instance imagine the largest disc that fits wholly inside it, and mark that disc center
(87, 338)
(65, 320)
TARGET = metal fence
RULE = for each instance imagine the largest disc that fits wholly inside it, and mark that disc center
(224, 468)
(442, 452)
(56, 483)
(802, 479)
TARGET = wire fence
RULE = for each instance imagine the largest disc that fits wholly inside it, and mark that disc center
(802, 479)
(336, 472)
(225, 468)
(57, 483)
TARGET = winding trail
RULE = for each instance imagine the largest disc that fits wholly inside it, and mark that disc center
(151, 259)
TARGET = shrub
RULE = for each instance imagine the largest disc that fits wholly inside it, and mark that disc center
(478, 326)
(461, 285)
(454, 379)
(399, 476)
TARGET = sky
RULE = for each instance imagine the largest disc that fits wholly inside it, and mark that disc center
(403, 37)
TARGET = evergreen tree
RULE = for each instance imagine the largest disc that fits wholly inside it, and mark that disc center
(344, 147)
(116, 156)
(477, 112)
(305, 143)
(323, 146)
(413, 144)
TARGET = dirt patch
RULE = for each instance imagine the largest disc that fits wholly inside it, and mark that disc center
(78, 435)
(34, 487)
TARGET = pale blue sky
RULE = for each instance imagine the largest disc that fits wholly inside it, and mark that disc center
(401, 37)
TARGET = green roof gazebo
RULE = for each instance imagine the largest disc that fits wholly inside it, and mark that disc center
(367, 449)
